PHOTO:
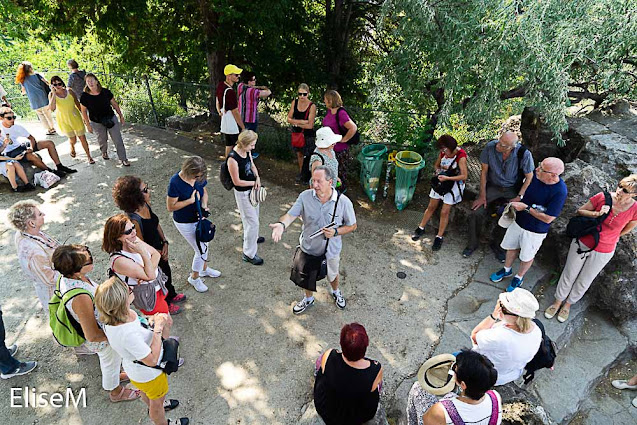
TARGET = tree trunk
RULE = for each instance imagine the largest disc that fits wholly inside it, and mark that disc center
(337, 34)
(215, 57)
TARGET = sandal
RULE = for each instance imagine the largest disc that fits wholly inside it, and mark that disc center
(91, 161)
(125, 163)
(562, 316)
(105, 156)
(123, 396)
(170, 404)
(73, 153)
(549, 313)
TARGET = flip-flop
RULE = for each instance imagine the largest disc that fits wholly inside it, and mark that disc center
(91, 161)
(132, 395)
(73, 153)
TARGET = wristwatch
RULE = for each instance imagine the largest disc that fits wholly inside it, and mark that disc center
(335, 231)
(528, 209)
(165, 242)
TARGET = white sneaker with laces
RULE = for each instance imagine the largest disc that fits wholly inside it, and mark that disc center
(198, 284)
(339, 300)
(210, 272)
(302, 305)
(622, 384)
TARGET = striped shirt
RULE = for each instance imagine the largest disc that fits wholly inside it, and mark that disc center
(248, 101)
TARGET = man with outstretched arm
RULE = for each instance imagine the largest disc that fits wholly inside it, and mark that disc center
(327, 216)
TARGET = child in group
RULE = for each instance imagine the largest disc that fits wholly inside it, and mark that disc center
(451, 166)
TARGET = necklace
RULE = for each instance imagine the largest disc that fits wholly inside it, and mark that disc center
(43, 238)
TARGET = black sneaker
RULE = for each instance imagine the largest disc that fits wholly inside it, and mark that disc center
(67, 170)
(170, 404)
(28, 187)
(437, 244)
(256, 260)
(23, 369)
(260, 239)
(58, 173)
(417, 233)
(499, 253)
(468, 251)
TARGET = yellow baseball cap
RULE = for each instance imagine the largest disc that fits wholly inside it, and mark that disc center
(231, 69)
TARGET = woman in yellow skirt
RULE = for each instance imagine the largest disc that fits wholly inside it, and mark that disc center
(68, 115)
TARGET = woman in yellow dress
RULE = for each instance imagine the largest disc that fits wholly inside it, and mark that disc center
(68, 115)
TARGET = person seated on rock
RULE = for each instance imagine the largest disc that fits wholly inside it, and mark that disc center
(74, 262)
(506, 174)
(542, 203)
(451, 166)
(581, 268)
(477, 403)
(508, 336)
(10, 167)
(347, 386)
(20, 141)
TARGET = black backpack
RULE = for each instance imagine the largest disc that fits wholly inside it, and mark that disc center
(442, 188)
(544, 358)
(356, 138)
(580, 226)
(224, 175)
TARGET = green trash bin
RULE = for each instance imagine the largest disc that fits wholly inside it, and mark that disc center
(408, 165)
(372, 158)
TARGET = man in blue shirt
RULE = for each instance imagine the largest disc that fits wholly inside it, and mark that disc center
(541, 204)
(503, 163)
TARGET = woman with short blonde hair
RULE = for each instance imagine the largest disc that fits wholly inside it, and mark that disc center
(586, 260)
(186, 189)
(34, 248)
(139, 346)
(245, 178)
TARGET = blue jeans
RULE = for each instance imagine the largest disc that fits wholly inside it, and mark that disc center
(251, 126)
(7, 362)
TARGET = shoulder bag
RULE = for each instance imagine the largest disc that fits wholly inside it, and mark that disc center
(228, 123)
(205, 230)
(308, 269)
(356, 138)
(298, 138)
(169, 362)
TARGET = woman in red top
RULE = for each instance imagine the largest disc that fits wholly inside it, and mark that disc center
(581, 269)
(451, 165)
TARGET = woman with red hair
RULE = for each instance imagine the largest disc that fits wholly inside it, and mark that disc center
(347, 387)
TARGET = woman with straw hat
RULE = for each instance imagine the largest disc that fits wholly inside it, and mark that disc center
(476, 403)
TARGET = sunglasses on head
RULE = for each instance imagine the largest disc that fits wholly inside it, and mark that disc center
(302, 94)
(129, 231)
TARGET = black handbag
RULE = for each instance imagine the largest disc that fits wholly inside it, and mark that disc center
(205, 230)
(308, 269)
(580, 226)
(169, 362)
(108, 122)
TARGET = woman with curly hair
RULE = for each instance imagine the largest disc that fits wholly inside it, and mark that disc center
(133, 197)
(36, 87)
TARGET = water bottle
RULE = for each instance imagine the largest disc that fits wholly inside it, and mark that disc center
(539, 208)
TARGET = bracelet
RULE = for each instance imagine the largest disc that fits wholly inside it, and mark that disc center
(282, 224)
(491, 316)
(165, 242)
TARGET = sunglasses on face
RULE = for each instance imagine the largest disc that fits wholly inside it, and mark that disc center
(506, 312)
(57, 84)
(130, 290)
(10, 117)
(145, 189)
(90, 257)
(129, 231)
(302, 94)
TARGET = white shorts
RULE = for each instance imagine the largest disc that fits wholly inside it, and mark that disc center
(527, 242)
(448, 198)
(332, 268)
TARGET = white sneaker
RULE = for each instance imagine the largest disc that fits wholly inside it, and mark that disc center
(210, 272)
(198, 284)
(339, 300)
(622, 384)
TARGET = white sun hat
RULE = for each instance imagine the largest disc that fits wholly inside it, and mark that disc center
(520, 302)
(325, 137)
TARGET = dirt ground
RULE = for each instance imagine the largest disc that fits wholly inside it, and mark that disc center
(249, 360)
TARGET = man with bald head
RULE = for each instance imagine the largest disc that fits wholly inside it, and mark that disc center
(507, 170)
(542, 203)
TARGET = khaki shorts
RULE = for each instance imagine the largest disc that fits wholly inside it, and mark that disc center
(75, 133)
(332, 268)
(527, 242)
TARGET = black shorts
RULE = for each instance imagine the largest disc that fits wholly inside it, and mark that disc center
(230, 139)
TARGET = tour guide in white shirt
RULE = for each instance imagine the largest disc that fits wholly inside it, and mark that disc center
(316, 207)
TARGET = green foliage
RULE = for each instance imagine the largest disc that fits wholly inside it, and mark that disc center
(479, 51)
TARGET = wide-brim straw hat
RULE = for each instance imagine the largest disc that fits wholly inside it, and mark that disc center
(325, 137)
(434, 376)
(258, 196)
(520, 302)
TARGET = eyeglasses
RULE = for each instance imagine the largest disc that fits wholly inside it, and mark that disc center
(626, 191)
(129, 231)
(145, 190)
(57, 84)
(130, 290)
(539, 167)
(10, 118)
(503, 146)
(302, 94)
(90, 257)
(507, 312)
